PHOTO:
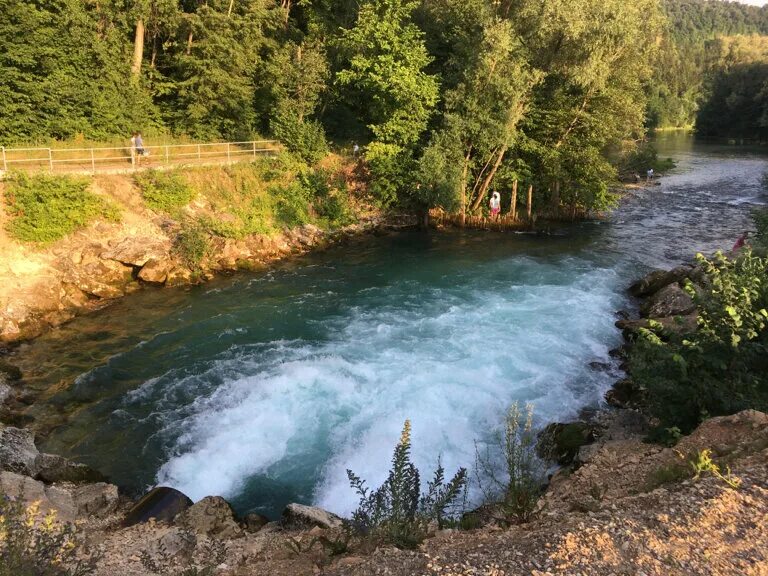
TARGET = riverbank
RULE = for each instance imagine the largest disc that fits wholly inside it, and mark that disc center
(43, 286)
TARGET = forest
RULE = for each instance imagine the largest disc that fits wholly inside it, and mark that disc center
(449, 99)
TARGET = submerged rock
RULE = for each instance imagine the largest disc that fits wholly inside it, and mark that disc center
(301, 516)
(161, 503)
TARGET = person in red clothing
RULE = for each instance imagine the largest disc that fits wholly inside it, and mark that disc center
(741, 241)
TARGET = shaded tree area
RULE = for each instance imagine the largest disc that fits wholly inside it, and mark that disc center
(448, 99)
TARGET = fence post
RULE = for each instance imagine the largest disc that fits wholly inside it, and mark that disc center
(198, 152)
(254, 149)
(5, 162)
(93, 162)
(50, 159)
(229, 159)
(167, 155)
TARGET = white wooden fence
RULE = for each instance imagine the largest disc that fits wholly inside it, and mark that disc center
(118, 159)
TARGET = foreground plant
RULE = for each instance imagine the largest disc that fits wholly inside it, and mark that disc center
(37, 544)
(397, 512)
(515, 489)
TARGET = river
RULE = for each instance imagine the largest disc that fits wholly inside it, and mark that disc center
(265, 387)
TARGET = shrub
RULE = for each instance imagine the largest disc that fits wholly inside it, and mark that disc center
(45, 208)
(331, 204)
(33, 544)
(517, 488)
(291, 204)
(191, 244)
(303, 137)
(760, 218)
(722, 368)
(164, 191)
(397, 513)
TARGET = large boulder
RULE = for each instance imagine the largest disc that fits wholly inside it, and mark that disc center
(658, 279)
(27, 490)
(211, 516)
(561, 442)
(137, 251)
(673, 325)
(98, 500)
(155, 271)
(161, 503)
(18, 452)
(52, 468)
(301, 516)
(669, 301)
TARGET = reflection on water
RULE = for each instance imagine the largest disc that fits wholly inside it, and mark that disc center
(265, 387)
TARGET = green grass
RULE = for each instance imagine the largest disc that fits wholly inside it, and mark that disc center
(46, 208)
(164, 191)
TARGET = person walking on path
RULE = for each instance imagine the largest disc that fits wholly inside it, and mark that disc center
(133, 148)
(139, 147)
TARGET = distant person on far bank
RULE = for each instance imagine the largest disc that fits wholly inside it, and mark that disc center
(495, 204)
(355, 149)
(649, 175)
(741, 241)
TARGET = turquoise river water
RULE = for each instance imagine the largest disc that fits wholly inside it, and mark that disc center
(265, 387)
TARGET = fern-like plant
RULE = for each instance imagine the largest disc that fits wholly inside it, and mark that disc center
(397, 512)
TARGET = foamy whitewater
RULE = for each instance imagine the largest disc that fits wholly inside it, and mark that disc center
(450, 359)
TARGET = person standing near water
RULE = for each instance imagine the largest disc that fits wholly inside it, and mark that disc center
(649, 175)
(495, 204)
(741, 241)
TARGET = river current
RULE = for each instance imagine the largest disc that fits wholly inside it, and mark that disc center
(265, 387)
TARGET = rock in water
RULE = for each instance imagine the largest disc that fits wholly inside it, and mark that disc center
(155, 271)
(255, 522)
(161, 503)
(300, 516)
(52, 468)
(669, 301)
(211, 516)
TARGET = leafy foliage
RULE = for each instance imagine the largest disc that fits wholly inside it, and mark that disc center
(721, 368)
(191, 244)
(164, 191)
(36, 544)
(397, 512)
(45, 208)
(517, 486)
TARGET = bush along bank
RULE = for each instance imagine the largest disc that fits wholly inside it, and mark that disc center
(111, 235)
(696, 349)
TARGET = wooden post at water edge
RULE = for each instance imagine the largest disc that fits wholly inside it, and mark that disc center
(513, 203)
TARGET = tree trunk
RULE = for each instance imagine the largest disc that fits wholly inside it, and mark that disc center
(138, 49)
(189, 42)
(231, 5)
(556, 198)
(530, 201)
(513, 202)
(464, 187)
(489, 178)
